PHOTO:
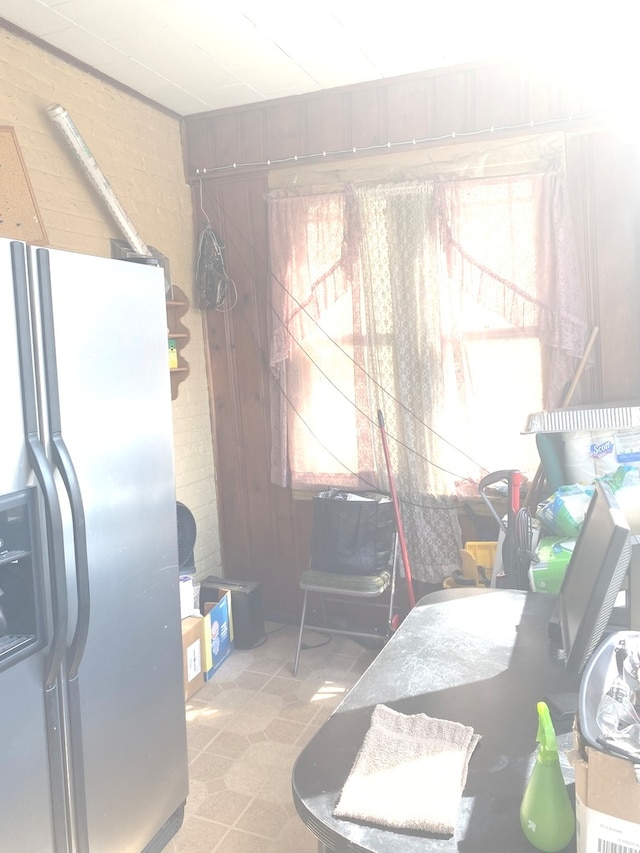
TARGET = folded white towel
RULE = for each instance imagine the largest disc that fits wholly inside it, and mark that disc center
(409, 773)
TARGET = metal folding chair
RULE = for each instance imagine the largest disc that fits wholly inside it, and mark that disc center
(345, 586)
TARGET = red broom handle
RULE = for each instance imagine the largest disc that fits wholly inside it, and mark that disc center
(396, 509)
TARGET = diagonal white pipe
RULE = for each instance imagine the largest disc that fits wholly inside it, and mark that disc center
(86, 159)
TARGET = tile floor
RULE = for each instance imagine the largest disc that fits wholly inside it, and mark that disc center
(246, 728)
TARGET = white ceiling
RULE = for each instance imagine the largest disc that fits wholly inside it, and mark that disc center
(192, 56)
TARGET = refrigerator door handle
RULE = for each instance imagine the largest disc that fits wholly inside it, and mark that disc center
(64, 464)
(42, 470)
(54, 658)
(67, 471)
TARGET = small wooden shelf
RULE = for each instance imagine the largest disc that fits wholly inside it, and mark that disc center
(177, 307)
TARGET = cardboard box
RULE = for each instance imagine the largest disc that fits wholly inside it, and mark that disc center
(607, 801)
(192, 669)
(217, 632)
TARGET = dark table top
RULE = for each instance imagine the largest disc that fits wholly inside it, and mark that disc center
(479, 657)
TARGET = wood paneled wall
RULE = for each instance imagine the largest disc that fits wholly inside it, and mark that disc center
(264, 531)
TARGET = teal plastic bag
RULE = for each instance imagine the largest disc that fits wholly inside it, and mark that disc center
(564, 512)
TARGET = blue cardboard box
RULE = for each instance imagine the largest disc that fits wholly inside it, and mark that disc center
(217, 633)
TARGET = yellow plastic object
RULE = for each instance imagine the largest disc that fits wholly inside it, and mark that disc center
(475, 555)
(173, 354)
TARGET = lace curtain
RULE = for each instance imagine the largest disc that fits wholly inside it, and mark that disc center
(418, 298)
(321, 430)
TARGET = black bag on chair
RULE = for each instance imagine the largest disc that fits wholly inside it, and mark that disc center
(352, 532)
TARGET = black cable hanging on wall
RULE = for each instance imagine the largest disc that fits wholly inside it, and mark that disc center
(212, 279)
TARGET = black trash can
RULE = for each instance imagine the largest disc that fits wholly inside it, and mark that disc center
(246, 608)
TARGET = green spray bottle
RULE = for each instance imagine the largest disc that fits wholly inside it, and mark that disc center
(546, 814)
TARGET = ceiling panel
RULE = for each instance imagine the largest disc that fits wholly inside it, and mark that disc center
(105, 20)
(87, 48)
(32, 16)
(197, 55)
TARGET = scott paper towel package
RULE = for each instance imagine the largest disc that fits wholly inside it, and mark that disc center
(588, 455)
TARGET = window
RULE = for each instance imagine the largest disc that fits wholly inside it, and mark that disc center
(450, 304)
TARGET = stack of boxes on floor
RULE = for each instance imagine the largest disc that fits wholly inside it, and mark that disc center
(207, 633)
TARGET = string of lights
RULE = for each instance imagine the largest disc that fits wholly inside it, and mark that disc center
(385, 146)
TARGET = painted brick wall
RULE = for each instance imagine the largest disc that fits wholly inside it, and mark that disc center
(139, 150)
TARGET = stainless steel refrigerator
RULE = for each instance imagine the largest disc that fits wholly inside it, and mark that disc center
(92, 716)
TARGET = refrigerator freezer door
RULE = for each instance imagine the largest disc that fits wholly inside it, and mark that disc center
(115, 412)
(25, 802)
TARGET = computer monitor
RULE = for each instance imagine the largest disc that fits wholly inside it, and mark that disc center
(594, 577)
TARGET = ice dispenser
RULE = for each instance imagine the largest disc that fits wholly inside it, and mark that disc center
(21, 630)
